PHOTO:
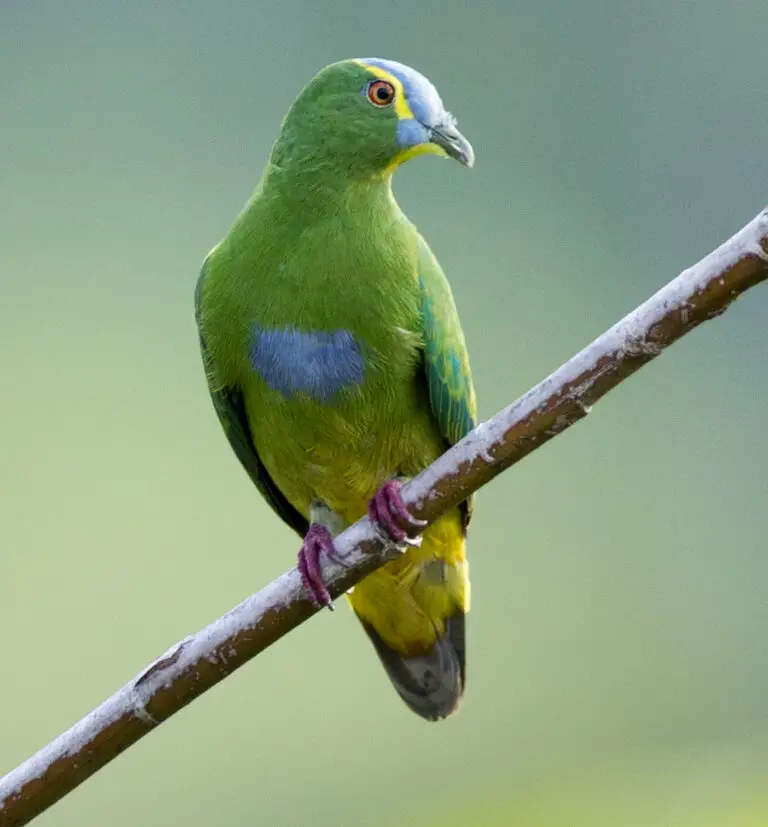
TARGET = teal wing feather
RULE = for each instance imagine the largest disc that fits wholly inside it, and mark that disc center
(230, 408)
(446, 361)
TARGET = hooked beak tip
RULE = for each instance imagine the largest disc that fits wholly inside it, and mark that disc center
(453, 143)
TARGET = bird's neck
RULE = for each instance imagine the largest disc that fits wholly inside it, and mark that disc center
(321, 191)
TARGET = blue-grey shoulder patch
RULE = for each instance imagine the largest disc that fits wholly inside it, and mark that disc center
(316, 363)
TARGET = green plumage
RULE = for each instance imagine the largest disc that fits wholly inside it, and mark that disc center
(230, 408)
(451, 394)
(335, 359)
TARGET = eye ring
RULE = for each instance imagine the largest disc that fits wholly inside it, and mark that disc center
(380, 93)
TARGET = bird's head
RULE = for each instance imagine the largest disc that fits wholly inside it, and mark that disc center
(365, 117)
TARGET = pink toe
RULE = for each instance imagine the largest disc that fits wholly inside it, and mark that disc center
(317, 540)
(379, 511)
(392, 492)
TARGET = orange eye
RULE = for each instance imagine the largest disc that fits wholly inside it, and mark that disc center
(381, 93)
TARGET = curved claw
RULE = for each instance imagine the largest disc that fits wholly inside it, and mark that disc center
(413, 542)
(388, 511)
(317, 540)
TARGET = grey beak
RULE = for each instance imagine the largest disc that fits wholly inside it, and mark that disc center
(453, 142)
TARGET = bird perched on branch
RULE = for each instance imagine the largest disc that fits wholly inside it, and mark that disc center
(336, 360)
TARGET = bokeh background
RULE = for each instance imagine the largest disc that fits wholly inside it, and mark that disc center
(618, 668)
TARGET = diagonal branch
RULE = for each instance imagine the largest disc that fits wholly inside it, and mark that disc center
(199, 662)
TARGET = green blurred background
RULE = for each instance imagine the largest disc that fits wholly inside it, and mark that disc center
(618, 667)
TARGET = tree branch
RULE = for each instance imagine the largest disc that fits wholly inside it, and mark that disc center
(200, 661)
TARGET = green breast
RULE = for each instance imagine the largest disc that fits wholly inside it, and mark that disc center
(319, 326)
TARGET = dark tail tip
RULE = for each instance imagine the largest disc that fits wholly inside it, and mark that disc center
(432, 685)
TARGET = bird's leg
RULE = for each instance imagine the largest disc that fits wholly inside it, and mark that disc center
(388, 511)
(316, 541)
(324, 523)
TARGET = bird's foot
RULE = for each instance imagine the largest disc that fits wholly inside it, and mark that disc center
(388, 511)
(316, 541)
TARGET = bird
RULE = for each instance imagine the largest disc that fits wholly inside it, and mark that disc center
(336, 360)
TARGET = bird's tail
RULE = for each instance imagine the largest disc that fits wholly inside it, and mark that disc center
(413, 610)
(431, 684)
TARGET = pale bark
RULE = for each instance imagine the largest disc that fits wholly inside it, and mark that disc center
(200, 661)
